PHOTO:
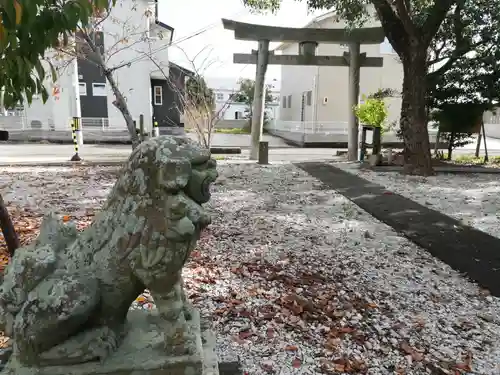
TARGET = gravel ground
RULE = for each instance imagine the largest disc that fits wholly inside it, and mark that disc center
(298, 280)
(473, 199)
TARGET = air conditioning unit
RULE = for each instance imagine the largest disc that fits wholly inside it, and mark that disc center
(325, 100)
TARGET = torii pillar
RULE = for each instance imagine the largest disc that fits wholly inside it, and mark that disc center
(308, 39)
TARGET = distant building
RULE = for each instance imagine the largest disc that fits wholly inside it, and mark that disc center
(318, 94)
(225, 88)
(146, 85)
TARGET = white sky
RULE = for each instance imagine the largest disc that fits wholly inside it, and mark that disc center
(216, 46)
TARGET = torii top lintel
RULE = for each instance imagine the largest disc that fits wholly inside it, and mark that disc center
(249, 31)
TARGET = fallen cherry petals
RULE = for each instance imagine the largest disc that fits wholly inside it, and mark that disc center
(286, 263)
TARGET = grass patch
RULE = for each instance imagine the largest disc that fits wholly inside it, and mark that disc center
(232, 131)
(223, 131)
(473, 160)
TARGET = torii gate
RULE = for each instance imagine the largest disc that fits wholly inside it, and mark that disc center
(308, 39)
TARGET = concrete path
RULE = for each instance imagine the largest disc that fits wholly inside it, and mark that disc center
(96, 137)
(462, 247)
(279, 152)
(241, 140)
(56, 153)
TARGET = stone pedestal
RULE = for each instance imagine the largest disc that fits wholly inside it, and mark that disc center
(141, 353)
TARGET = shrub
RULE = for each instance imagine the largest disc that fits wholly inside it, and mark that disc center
(372, 112)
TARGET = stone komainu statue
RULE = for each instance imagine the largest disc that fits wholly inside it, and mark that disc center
(66, 296)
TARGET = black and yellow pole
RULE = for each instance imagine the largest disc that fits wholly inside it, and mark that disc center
(156, 129)
(74, 127)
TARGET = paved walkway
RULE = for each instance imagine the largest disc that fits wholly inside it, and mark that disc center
(57, 153)
(462, 247)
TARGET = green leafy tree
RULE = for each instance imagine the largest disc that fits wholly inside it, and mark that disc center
(467, 81)
(198, 93)
(245, 94)
(410, 26)
(28, 28)
(372, 112)
(468, 34)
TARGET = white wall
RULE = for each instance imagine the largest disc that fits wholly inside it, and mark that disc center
(332, 81)
(295, 81)
(230, 110)
(130, 20)
(58, 109)
(223, 88)
(124, 41)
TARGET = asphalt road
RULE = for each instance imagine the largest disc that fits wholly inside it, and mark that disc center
(55, 153)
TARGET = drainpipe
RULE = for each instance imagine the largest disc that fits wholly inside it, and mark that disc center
(314, 111)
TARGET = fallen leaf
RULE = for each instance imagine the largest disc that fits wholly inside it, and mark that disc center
(347, 330)
(243, 335)
(267, 366)
(270, 333)
(415, 354)
(406, 347)
(332, 344)
(462, 366)
(339, 367)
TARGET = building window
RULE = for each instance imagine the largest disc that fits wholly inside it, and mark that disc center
(309, 98)
(238, 115)
(99, 89)
(284, 101)
(220, 96)
(289, 104)
(158, 100)
(82, 86)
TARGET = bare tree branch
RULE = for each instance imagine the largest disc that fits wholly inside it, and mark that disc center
(199, 113)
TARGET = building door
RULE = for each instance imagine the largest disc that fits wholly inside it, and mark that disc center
(165, 111)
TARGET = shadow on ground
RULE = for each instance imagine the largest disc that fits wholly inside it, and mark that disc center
(462, 247)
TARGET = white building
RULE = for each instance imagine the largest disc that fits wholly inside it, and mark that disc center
(225, 88)
(131, 38)
(317, 95)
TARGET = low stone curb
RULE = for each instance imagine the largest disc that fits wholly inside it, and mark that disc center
(463, 169)
(230, 368)
(225, 150)
(63, 164)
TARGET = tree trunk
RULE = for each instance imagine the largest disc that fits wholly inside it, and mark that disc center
(484, 140)
(9, 233)
(450, 145)
(417, 153)
(436, 144)
(121, 105)
(478, 143)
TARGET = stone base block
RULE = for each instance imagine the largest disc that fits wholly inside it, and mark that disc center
(141, 353)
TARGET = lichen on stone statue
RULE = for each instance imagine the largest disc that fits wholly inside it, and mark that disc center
(65, 297)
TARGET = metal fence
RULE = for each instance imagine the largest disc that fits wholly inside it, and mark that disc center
(308, 127)
(13, 121)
